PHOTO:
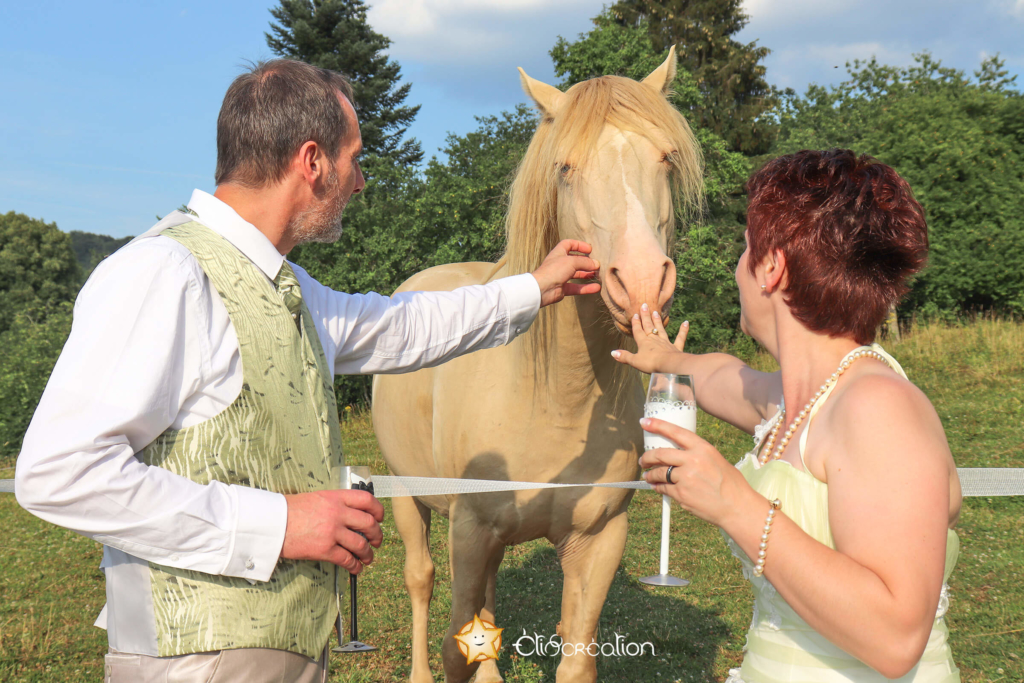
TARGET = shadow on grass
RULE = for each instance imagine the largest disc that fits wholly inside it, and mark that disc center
(685, 638)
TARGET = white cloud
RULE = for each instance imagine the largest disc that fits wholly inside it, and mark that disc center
(482, 31)
(790, 12)
(1018, 9)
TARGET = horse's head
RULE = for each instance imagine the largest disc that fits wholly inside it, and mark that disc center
(609, 161)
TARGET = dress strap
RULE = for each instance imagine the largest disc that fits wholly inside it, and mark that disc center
(892, 362)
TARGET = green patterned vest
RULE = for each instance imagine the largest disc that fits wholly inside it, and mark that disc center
(281, 434)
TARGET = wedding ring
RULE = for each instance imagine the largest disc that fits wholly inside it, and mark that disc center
(650, 333)
(668, 474)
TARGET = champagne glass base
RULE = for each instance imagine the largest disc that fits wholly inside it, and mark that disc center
(354, 646)
(665, 580)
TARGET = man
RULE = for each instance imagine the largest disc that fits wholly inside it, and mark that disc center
(190, 423)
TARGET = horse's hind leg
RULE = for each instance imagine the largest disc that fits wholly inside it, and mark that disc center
(412, 518)
(589, 563)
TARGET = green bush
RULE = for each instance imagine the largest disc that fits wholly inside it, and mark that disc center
(31, 346)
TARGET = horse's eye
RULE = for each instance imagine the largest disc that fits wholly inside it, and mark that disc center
(565, 169)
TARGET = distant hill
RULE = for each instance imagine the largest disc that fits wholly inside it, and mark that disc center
(90, 248)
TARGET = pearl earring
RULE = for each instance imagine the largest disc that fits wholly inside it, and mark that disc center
(764, 286)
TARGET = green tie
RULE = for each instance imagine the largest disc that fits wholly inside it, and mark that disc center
(288, 288)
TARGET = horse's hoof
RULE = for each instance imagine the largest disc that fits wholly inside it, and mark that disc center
(488, 673)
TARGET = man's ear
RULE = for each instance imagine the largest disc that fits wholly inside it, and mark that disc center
(548, 98)
(311, 162)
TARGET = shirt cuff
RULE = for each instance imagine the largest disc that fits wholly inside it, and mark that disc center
(259, 534)
(523, 296)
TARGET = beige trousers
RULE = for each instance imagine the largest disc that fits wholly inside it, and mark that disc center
(250, 665)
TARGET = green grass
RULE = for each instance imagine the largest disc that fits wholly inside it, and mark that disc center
(52, 589)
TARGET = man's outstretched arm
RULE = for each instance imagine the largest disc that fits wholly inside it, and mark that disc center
(376, 334)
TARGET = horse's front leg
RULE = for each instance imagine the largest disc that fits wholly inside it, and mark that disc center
(475, 553)
(589, 562)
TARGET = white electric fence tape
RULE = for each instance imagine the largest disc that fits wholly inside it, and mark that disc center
(974, 481)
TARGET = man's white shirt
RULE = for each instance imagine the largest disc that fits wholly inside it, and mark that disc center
(152, 348)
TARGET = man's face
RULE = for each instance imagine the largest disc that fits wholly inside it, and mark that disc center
(321, 220)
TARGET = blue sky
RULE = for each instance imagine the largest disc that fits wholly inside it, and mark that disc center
(108, 109)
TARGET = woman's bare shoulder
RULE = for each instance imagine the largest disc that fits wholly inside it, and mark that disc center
(880, 414)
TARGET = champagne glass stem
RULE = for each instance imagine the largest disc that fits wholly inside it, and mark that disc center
(666, 513)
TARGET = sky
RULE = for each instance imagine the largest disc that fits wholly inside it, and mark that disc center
(108, 109)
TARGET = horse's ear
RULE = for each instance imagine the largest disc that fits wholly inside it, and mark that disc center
(547, 97)
(662, 77)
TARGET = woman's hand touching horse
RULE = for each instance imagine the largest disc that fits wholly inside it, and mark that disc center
(561, 266)
(654, 352)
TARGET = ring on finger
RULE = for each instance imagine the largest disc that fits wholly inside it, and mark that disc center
(654, 332)
(668, 474)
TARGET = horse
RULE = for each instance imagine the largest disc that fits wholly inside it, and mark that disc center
(609, 163)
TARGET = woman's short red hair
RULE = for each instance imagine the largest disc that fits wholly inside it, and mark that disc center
(851, 231)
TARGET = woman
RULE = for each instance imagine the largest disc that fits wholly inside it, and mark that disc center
(848, 500)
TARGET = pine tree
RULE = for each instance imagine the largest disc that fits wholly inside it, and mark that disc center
(334, 34)
(734, 93)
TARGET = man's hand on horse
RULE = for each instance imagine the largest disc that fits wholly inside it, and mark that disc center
(561, 266)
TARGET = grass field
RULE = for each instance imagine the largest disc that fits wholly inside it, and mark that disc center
(52, 589)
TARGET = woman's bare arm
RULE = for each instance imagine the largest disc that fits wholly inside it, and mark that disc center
(726, 387)
(888, 473)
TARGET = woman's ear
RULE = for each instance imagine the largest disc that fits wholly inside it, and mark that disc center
(775, 271)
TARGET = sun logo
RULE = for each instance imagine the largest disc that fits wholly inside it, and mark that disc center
(479, 640)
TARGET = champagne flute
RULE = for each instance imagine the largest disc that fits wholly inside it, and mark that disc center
(670, 397)
(352, 478)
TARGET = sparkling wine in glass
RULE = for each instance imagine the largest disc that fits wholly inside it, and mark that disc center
(670, 397)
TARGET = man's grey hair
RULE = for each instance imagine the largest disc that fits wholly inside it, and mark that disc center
(269, 112)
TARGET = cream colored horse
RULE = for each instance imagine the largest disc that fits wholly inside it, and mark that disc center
(608, 160)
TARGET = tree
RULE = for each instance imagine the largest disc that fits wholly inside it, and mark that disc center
(706, 249)
(333, 34)
(91, 248)
(734, 95)
(465, 198)
(38, 269)
(960, 144)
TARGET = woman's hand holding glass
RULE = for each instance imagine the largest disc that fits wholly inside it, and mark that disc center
(705, 484)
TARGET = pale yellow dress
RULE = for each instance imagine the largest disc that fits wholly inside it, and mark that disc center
(781, 647)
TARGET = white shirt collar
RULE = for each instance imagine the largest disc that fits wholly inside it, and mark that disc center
(246, 237)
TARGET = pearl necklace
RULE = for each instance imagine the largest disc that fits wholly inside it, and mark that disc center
(843, 367)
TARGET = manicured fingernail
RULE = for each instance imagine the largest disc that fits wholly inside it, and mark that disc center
(616, 354)
(645, 422)
(636, 316)
(643, 307)
(656, 315)
(686, 323)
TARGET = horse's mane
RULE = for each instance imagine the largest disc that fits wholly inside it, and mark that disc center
(567, 140)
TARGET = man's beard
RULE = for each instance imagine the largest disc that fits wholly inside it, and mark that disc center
(321, 220)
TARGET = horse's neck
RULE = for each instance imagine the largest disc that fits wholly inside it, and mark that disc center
(573, 345)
